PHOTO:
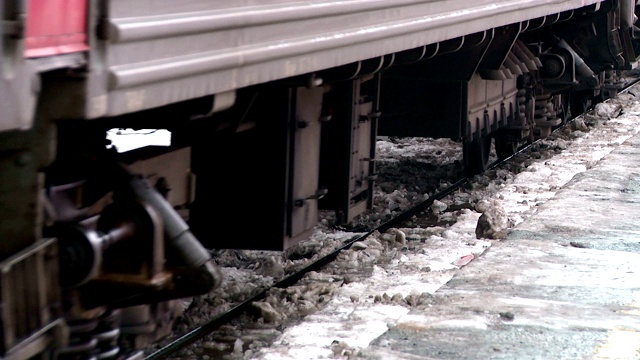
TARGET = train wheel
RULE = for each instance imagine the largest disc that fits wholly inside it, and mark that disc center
(475, 155)
(581, 102)
(506, 143)
(566, 108)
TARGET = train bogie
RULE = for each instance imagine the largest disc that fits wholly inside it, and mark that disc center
(472, 103)
(513, 83)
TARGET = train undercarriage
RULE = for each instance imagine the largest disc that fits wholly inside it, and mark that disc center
(102, 242)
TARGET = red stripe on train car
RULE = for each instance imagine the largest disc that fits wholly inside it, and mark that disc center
(55, 27)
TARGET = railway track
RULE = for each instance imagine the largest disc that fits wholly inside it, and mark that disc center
(209, 327)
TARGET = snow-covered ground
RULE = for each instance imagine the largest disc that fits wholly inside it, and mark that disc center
(337, 312)
(345, 326)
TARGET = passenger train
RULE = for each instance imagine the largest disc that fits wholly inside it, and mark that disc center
(273, 106)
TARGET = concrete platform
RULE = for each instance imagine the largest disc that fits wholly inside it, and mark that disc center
(565, 284)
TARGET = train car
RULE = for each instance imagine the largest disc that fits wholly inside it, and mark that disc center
(271, 104)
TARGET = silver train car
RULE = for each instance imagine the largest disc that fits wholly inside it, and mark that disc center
(272, 105)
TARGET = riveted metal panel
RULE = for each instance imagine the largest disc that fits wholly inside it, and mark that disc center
(348, 147)
(488, 97)
(305, 163)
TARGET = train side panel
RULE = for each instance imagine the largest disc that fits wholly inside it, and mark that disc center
(150, 54)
